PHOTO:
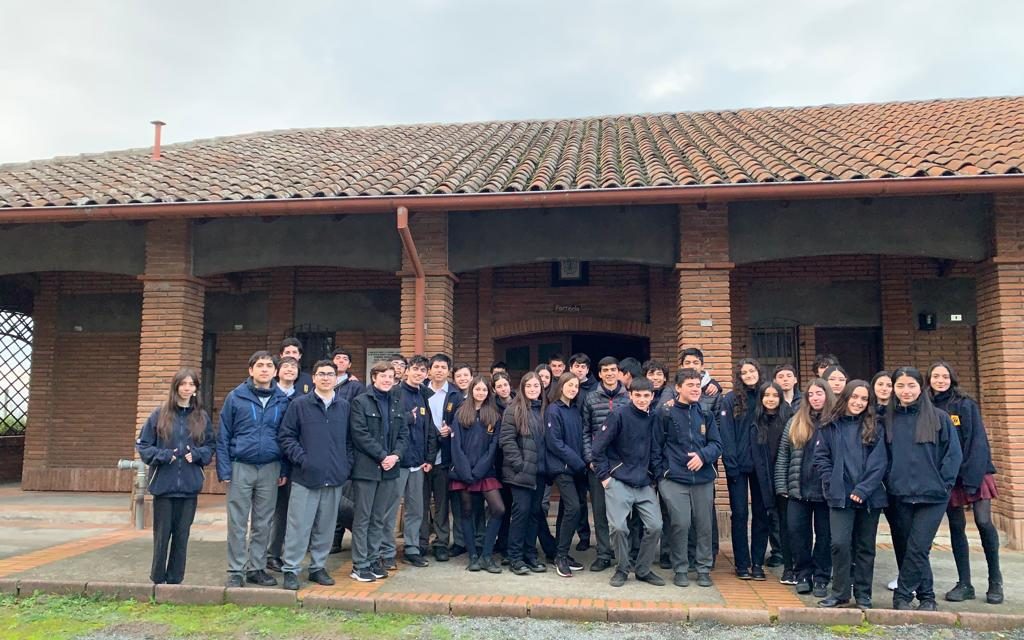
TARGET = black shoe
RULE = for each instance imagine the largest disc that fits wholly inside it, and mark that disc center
(519, 568)
(362, 575)
(574, 564)
(743, 574)
(680, 580)
(489, 565)
(757, 573)
(863, 603)
(378, 570)
(261, 578)
(901, 605)
(774, 560)
(652, 578)
(804, 587)
(415, 560)
(832, 602)
(274, 564)
(583, 545)
(320, 576)
(820, 589)
(335, 549)
(291, 581)
(927, 605)
(665, 561)
(505, 561)
(994, 595)
(960, 592)
(562, 568)
(704, 580)
(234, 581)
(536, 566)
(441, 554)
(600, 564)
(457, 550)
(474, 564)
(618, 578)
(788, 577)
(389, 564)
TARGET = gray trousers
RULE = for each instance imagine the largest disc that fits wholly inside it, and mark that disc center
(252, 494)
(312, 514)
(685, 503)
(410, 493)
(279, 523)
(620, 500)
(435, 498)
(372, 500)
(599, 507)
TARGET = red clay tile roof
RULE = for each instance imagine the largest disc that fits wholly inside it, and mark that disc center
(936, 138)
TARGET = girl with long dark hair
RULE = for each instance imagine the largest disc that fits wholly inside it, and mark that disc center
(502, 385)
(474, 445)
(736, 421)
(798, 480)
(881, 392)
(924, 462)
(564, 464)
(176, 442)
(836, 377)
(770, 420)
(851, 457)
(975, 485)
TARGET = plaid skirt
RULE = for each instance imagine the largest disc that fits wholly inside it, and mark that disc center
(959, 498)
(487, 484)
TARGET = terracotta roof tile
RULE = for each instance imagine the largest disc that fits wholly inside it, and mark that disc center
(936, 138)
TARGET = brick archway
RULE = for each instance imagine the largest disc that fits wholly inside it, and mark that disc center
(570, 324)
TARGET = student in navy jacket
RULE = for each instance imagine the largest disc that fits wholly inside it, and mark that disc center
(798, 480)
(288, 380)
(176, 442)
(687, 445)
(444, 398)
(975, 485)
(736, 414)
(249, 458)
(314, 436)
(564, 463)
(851, 457)
(474, 449)
(769, 422)
(924, 462)
(881, 392)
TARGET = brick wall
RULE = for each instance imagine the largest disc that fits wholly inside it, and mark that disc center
(430, 234)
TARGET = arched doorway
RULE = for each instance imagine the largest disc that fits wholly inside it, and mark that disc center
(523, 353)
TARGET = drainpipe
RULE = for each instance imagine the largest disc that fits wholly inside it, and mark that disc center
(420, 294)
(139, 489)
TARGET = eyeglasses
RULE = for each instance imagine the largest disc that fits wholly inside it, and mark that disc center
(325, 374)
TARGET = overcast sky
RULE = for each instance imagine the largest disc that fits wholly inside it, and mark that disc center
(80, 77)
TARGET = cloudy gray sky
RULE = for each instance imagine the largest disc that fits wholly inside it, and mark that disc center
(81, 77)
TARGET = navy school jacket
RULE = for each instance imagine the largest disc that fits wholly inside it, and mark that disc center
(178, 479)
(736, 433)
(564, 440)
(977, 453)
(679, 430)
(473, 451)
(423, 437)
(622, 447)
(248, 430)
(837, 442)
(315, 439)
(921, 472)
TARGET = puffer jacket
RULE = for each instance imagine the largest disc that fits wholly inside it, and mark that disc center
(180, 478)
(796, 476)
(597, 406)
(523, 456)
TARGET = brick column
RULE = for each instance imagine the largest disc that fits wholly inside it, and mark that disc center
(430, 233)
(1000, 337)
(898, 322)
(39, 431)
(705, 316)
(172, 312)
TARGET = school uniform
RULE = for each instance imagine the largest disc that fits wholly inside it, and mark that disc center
(687, 496)
(807, 514)
(597, 407)
(919, 481)
(563, 443)
(349, 388)
(621, 451)
(174, 486)
(249, 457)
(974, 482)
(765, 457)
(378, 430)
(314, 437)
(279, 524)
(442, 405)
(474, 450)
(738, 433)
(848, 467)
(523, 472)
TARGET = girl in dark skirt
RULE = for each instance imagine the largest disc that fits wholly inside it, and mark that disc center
(975, 485)
(176, 442)
(474, 444)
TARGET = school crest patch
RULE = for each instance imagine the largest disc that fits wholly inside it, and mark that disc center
(703, 429)
(423, 411)
(955, 418)
(490, 428)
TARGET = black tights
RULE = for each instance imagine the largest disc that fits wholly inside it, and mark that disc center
(989, 540)
(496, 511)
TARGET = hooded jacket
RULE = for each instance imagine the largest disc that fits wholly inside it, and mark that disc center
(682, 429)
(315, 439)
(622, 447)
(850, 467)
(974, 445)
(563, 440)
(523, 457)
(180, 478)
(372, 438)
(736, 433)
(921, 472)
(248, 430)
(473, 451)
(597, 406)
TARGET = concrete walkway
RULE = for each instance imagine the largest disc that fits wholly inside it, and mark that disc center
(79, 538)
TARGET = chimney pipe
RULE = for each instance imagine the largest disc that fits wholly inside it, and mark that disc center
(156, 138)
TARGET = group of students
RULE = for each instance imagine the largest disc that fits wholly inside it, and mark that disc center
(472, 462)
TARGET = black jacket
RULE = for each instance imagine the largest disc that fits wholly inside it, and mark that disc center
(622, 447)
(841, 448)
(563, 440)
(178, 479)
(796, 475)
(977, 454)
(736, 433)
(473, 451)
(597, 406)
(423, 437)
(679, 430)
(921, 472)
(371, 442)
(764, 456)
(315, 439)
(349, 388)
(523, 456)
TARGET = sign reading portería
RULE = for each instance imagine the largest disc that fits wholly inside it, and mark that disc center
(568, 308)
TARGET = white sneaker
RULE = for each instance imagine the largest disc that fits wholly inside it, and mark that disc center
(892, 585)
